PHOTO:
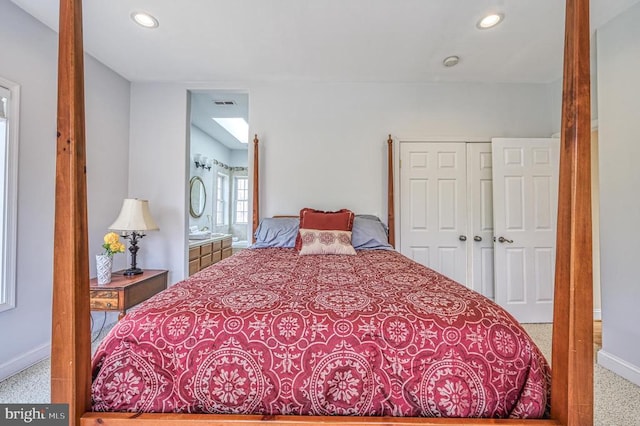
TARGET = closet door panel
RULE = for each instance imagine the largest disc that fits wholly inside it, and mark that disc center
(433, 206)
(480, 217)
(525, 177)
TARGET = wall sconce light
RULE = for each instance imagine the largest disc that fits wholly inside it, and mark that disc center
(201, 161)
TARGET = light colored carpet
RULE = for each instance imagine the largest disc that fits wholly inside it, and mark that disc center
(33, 385)
(617, 401)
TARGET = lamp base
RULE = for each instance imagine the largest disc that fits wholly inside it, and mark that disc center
(132, 271)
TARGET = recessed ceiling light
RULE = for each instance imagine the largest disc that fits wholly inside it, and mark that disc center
(144, 19)
(451, 61)
(490, 21)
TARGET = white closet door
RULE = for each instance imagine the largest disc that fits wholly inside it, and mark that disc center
(525, 196)
(433, 210)
(480, 238)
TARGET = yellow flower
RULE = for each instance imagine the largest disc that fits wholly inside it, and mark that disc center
(111, 238)
(112, 244)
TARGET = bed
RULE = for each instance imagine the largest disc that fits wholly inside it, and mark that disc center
(270, 331)
(571, 400)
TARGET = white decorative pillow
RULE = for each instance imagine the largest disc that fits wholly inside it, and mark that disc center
(318, 241)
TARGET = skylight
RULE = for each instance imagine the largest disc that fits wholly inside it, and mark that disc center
(237, 126)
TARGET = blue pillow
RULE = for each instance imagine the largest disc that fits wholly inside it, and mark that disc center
(277, 232)
(369, 233)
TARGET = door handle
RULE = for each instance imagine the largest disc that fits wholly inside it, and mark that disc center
(504, 240)
(477, 238)
(462, 238)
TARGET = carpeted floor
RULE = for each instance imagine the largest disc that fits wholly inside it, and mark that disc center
(617, 401)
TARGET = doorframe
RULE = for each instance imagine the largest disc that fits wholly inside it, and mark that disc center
(231, 89)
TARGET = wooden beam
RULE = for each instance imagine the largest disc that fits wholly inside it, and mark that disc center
(572, 356)
(124, 419)
(70, 341)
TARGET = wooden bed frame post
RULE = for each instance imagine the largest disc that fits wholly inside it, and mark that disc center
(256, 189)
(572, 358)
(390, 196)
(70, 339)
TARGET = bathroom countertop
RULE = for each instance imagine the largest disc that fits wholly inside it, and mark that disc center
(214, 237)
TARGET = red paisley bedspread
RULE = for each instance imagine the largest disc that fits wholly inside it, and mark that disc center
(267, 331)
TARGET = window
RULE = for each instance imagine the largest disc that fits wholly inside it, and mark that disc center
(242, 200)
(9, 98)
(221, 199)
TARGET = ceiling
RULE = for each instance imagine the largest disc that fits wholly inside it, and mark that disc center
(204, 107)
(327, 40)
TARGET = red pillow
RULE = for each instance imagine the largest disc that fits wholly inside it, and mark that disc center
(342, 220)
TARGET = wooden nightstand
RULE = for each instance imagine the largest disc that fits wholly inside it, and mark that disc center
(123, 292)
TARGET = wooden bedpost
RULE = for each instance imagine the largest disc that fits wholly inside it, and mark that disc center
(70, 339)
(572, 358)
(256, 189)
(390, 207)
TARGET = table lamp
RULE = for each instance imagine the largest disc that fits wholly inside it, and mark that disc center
(133, 221)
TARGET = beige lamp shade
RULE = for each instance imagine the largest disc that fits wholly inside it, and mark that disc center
(134, 216)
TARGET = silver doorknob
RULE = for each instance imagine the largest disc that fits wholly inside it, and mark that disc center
(504, 240)
(477, 238)
(462, 238)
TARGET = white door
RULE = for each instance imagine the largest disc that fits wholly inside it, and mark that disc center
(480, 217)
(433, 206)
(525, 202)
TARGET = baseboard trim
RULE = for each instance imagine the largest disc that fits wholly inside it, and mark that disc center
(619, 366)
(597, 314)
(24, 361)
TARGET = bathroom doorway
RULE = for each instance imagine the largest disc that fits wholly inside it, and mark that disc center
(218, 166)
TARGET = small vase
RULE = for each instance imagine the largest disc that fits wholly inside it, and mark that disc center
(104, 264)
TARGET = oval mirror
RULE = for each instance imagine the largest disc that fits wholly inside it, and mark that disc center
(198, 197)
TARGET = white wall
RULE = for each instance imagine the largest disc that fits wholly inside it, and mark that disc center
(158, 172)
(204, 144)
(29, 57)
(322, 145)
(619, 134)
(239, 157)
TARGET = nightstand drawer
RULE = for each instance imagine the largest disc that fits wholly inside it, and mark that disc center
(125, 291)
(104, 299)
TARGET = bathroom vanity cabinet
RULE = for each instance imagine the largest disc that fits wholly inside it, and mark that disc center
(203, 253)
